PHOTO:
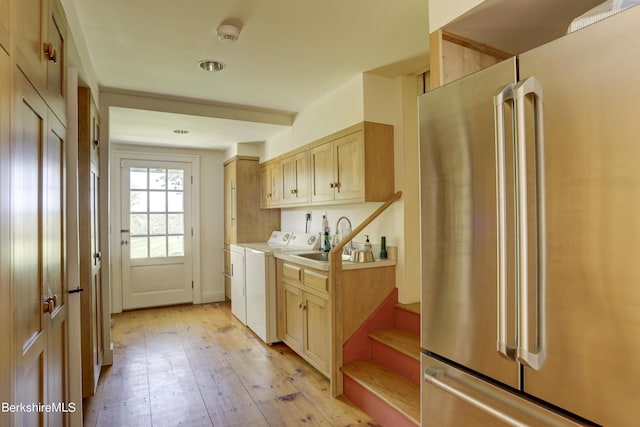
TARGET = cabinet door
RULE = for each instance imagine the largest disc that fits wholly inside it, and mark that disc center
(55, 56)
(349, 167)
(6, 337)
(316, 331)
(230, 223)
(39, 256)
(302, 178)
(53, 248)
(29, 33)
(5, 24)
(322, 183)
(288, 180)
(265, 186)
(238, 287)
(293, 320)
(276, 185)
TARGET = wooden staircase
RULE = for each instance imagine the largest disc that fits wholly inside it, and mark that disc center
(384, 378)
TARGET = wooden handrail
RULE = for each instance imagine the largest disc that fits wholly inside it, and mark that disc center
(338, 248)
(335, 281)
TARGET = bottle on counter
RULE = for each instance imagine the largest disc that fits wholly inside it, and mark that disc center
(383, 247)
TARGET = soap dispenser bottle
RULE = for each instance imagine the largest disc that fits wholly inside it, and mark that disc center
(326, 245)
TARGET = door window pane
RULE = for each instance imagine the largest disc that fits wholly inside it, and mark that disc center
(157, 179)
(176, 223)
(157, 201)
(176, 245)
(138, 178)
(157, 224)
(138, 224)
(176, 201)
(156, 212)
(176, 179)
(157, 246)
(138, 201)
(138, 247)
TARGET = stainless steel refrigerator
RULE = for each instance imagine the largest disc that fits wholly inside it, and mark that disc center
(530, 236)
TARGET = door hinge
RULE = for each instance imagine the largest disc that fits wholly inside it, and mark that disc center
(191, 231)
(192, 284)
(192, 179)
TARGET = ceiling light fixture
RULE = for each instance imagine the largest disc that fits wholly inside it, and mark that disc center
(211, 65)
(228, 33)
(181, 131)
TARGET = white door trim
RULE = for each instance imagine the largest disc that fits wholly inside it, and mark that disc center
(115, 205)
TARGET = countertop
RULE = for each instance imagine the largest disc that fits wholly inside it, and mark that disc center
(324, 265)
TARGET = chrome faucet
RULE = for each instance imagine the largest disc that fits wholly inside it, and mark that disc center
(342, 233)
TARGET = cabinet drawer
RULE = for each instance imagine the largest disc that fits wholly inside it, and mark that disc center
(316, 280)
(292, 272)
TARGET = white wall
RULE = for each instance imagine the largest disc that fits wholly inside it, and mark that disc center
(211, 236)
(253, 149)
(441, 12)
(337, 110)
(365, 97)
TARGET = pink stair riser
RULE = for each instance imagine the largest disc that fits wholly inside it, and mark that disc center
(407, 321)
(377, 408)
(396, 361)
(357, 346)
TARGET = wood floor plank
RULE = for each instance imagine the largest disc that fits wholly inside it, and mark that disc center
(197, 365)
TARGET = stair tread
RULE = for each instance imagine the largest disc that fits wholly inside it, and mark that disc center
(400, 340)
(389, 386)
(412, 308)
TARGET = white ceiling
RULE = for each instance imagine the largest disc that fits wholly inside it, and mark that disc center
(289, 54)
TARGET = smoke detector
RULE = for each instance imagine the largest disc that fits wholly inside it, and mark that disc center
(228, 33)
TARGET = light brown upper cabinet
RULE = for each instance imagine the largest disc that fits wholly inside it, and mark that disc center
(294, 171)
(354, 165)
(41, 32)
(270, 184)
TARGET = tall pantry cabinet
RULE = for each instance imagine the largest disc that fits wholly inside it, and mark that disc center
(90, 248)
(34, 360)
(244, 220)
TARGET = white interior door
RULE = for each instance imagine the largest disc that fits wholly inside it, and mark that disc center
(156, 234)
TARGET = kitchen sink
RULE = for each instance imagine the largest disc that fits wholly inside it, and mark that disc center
(315, 256)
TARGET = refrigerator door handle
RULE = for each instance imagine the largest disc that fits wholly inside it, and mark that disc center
(533, 359)
(505, 95)
(435, 374)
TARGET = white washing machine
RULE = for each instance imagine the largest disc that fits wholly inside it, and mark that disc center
(258, 300)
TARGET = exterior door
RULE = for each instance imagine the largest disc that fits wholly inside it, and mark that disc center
(156, 235)
(38, 263)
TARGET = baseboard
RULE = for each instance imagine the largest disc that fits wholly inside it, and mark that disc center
(217, 296)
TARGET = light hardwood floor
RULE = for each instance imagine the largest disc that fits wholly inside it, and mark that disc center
(197, 365)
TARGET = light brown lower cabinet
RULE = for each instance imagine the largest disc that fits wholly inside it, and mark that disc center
(303, 313)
